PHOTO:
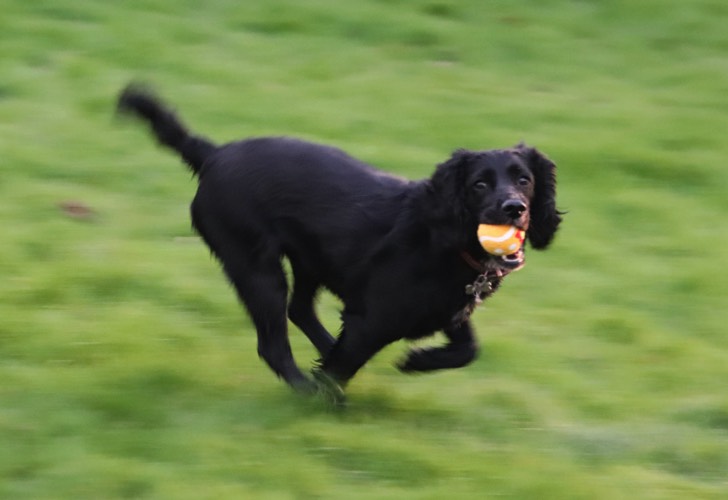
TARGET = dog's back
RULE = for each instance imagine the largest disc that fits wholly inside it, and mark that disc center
(313, 203)
(288, 195)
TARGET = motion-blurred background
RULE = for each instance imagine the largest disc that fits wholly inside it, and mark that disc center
(127, 370)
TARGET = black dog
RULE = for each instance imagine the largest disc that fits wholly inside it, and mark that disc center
(402, 255)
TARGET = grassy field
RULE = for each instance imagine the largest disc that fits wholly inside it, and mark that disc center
(127, 370)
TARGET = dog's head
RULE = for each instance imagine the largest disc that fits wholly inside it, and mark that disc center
(515, 186)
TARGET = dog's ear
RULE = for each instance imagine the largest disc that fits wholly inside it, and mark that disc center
(545, 218)
(447, 209)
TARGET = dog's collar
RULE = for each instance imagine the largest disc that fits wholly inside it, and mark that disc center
(473, 263)
(487, 280)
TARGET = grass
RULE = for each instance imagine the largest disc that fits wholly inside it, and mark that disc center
(129, 371)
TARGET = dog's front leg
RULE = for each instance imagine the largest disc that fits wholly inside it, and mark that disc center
(359, 341)
(461, 350)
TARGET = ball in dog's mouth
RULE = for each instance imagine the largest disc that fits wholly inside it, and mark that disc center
(504, 242)
(501, 240)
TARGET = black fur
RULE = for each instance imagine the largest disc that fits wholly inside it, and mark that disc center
(398, 253)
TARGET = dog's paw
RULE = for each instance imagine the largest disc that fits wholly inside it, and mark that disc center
(413, 362)
(305, 387)
(329, 388)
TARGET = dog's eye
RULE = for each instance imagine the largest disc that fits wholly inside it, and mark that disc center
(524, 181)
(480, 185)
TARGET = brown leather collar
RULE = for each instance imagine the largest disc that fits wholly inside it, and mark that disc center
(472, 262)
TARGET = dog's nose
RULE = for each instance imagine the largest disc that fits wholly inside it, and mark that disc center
(514, 208)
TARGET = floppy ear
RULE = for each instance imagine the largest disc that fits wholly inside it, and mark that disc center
(448, 214)
(545, 218)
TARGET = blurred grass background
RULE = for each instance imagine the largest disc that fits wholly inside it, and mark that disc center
(129, 371)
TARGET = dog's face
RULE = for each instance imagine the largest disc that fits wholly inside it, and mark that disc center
(499, 188)
(515, 186)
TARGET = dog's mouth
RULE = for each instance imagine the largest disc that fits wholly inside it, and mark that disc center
(513, 261)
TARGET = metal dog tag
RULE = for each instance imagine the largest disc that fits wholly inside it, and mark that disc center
(476, 288)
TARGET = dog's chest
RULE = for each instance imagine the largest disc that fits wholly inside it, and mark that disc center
(476, 292)
(447, 304)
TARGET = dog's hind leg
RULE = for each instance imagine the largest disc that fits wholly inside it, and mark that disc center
(302, 314)
(263, 289)
(260, 283)
(256, 272)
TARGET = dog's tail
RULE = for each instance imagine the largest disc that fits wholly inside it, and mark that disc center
(169, 130)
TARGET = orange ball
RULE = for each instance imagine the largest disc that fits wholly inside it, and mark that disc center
(500, 240)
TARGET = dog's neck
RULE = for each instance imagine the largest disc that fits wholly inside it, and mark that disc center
(486, 283)
(473, 263)
(488, 267)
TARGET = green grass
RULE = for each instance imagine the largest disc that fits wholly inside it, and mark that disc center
(129, 371)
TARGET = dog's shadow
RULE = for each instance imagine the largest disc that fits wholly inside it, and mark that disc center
(370, 405)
